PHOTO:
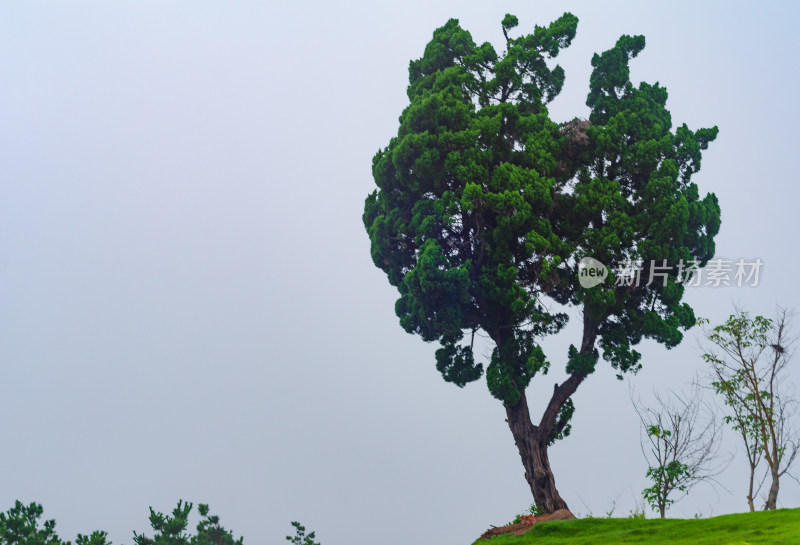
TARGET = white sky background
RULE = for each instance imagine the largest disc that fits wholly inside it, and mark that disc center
(188, 308)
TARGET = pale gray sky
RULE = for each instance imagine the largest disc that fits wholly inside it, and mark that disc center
(188, 308)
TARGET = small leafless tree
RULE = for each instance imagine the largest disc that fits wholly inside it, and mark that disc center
(682, 447)
(748, 358)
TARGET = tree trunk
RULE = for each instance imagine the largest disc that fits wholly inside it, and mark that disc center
(662, 508)
(532, 446)
(750, 490)
(531, 440)
(772, 497)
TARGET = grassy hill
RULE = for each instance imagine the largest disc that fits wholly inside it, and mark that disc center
(781, 527)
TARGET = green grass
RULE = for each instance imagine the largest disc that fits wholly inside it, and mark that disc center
(780, 527)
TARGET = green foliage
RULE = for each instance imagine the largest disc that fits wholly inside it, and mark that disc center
(744, 337)
(666, 479)
(300, 537)
(456, 364)
(748, 357)
(95, 538)
(637, 514)
(210, 532)
(763, 528)
(684, 434)
(582, 363)
(532, 510)
(171, 529)
(562, 428)
(484, 206)
(20, 526)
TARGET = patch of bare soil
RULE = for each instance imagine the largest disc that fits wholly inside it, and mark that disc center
(527, 523)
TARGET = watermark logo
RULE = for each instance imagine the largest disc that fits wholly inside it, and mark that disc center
(591, 272)
(717, 273)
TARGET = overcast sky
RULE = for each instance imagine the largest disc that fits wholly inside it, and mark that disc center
(188, 308)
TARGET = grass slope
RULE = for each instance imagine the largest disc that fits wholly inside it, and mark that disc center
(780, 527)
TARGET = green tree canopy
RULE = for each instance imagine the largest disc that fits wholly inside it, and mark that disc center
(20, 525)
(171, 529)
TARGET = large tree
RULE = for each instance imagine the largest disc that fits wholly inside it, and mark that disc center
(485, 207)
